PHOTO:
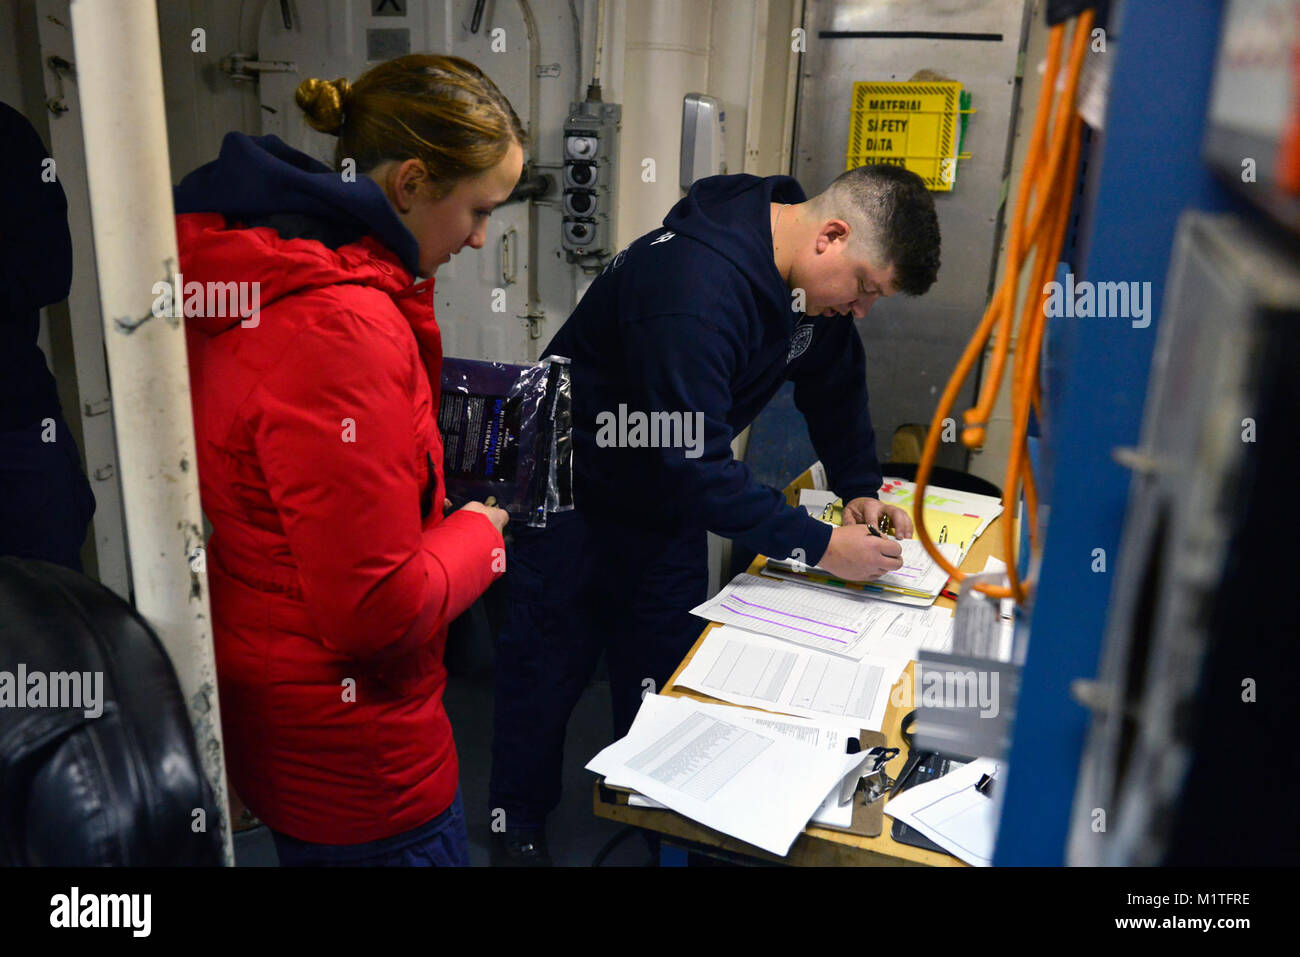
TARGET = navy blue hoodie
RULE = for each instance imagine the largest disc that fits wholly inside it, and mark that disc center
(35, 270)
(695, 317)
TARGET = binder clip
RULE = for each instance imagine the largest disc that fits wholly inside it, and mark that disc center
(869, 777)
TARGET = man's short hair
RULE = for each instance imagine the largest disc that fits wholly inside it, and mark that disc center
(892, 213)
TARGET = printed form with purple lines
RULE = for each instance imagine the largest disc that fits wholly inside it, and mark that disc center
(842, 624)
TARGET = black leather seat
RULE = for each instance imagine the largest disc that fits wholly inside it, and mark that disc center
(112, 781)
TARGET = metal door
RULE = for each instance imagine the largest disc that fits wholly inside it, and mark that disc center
(913, 344)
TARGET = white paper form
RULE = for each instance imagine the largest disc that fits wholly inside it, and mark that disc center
(847, 625)
(758, 787)
(777, 570)
(920, 571)
(763, 672)
(825, 736)
(830, 814)
(930, 628)
(950, 812)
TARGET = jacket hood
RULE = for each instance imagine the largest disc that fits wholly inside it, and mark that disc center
(731, 214)
(275, 222)
(255, 177)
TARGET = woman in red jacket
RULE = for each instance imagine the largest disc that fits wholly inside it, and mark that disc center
(333, 570)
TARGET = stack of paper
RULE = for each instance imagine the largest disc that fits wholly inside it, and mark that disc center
(726, 773)
(918, 582)
(840, 623)
(824, 735)
(920, 574)
(761, 672)
(817, 578)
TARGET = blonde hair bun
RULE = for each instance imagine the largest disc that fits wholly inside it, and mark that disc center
(323, 102)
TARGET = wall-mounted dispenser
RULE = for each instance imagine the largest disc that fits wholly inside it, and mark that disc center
(703, 138)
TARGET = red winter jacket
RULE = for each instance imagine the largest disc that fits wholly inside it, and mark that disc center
(333, 572)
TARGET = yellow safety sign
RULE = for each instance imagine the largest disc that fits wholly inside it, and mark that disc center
(914, 124)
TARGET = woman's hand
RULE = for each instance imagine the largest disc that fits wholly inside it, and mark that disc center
(497, 516)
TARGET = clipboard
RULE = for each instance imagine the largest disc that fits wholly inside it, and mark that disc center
(868, 819)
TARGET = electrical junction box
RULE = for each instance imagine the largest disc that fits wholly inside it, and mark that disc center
(590, 162)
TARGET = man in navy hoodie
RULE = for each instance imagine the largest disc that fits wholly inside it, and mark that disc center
(676, 347)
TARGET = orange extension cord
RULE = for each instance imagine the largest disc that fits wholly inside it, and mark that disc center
(1051, 178)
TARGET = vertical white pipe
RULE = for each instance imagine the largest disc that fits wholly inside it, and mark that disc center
(736, 61)
(119, 77)
(666, 57)
(791, 89)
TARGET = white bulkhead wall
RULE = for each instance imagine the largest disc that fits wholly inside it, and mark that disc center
(736, 50)
(653, 54)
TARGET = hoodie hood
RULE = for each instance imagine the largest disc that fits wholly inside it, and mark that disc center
(731, 215)
(257, 177)
(264, 222)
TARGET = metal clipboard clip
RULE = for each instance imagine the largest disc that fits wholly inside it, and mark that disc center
(869, 776)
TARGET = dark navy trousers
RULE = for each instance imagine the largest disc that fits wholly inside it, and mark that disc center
(440, 842)
(45, 499)
(583, 585)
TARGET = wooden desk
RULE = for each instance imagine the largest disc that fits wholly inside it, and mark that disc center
(816, 846)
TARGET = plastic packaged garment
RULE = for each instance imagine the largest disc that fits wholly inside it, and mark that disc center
(507, 432)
